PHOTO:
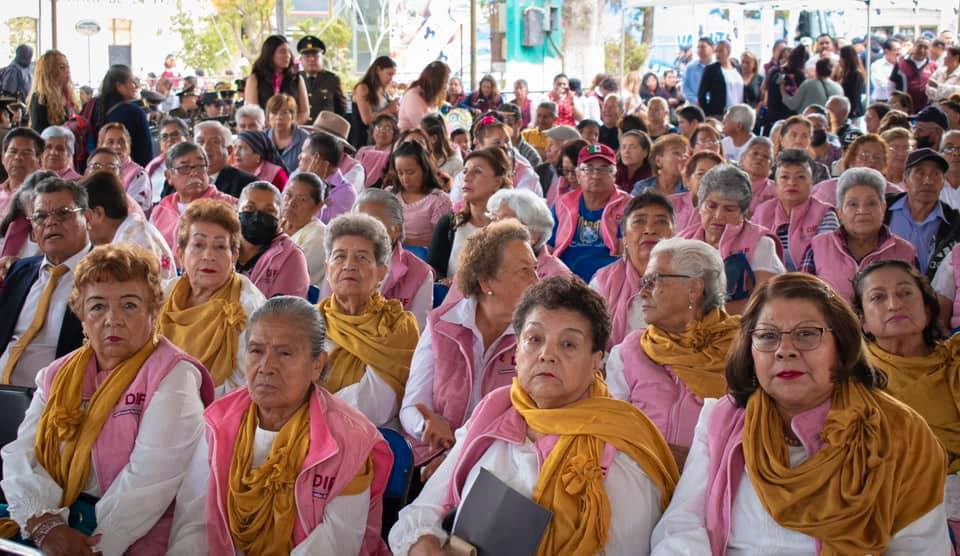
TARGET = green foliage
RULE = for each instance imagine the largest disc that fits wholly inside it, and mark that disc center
(336, 35)
(635, 55)
(235, 30)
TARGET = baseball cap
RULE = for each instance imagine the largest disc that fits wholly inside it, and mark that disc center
(597, 150)
(933, 115)
(924, 154)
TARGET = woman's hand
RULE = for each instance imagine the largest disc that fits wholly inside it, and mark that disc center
(427, 545)
(62, 540)
(393, 107)
(436, 430)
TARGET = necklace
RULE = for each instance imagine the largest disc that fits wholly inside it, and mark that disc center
(792, 440)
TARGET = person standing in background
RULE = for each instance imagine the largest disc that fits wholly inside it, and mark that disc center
(323, 87)
(16, 77)
(694, 72)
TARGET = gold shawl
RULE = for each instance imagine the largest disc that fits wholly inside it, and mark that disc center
(930, 386)
(880, 470)
(384, 337)
(571, 480)
(209, 331)
(697, 356)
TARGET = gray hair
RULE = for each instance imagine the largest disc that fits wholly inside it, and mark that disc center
(300, 313)
(860, 176)
(56, 185)
(532, 211)
(843, 100)
(213, 124)
(388, 201)
(58, 131)
(251, 111)
(551, 106)
(743, 115)
(729, 182)
(360, 225)
(696, 258)
(181, 150)
(948, 134)
(261, 185)
(318, 187)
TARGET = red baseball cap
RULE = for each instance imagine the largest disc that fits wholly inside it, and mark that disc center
(597, 150)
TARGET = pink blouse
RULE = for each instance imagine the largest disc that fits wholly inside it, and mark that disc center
(421, 217)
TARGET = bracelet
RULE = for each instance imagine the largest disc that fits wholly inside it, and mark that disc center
(41, 531)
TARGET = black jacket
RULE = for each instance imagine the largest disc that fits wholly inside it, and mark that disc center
(232, 181)
(947, 235)
(325, 93)
(712, 95)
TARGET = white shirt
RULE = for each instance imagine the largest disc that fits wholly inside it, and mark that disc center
(43, 349)
(949, 84)
(881, 70)
(950, 195)
(734, 82)
(157, 180)
(310, 238)
(765, 259)
(634, 499)
(682, 530)
(423, 366)
(141, 190)
(731, 151)
(357, 177)
(372, 396)
(459, 242)
(134, 229)
(338, 533)
(167, 437)
(944, 281)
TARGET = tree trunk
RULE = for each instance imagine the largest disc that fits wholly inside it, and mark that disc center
(582, 46)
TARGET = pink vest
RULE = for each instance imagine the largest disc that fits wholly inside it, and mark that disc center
(129, 170)
(268, 171)
(955, 261)
(659, 393)
(407, 274)
(341, 440)
(281, 270)
(727, 465)
(453, 371)
(763, 190)
(374, 163)
(685, 214)
(735, 239)
(347, 163)
(826, 191)
(496, 419)
(568, 214)
(158, 161)
(112, 449)
(17, 234)
(837, 267)
(165, 215)
(619, 284)
(69, 174)
(549, 266)
(803, 222)
(558, 188)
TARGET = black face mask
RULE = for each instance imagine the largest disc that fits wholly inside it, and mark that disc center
(819, 137)
(258, 228)
(924, 143)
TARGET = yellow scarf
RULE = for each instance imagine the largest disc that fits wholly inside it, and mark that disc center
(931, 386)
(697, 356)
(383, 337)
(261, 508)
(209, 331)
(571, 480)
(880, 470)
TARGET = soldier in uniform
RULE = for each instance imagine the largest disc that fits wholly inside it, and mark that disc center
(188, 110)
(323, 87)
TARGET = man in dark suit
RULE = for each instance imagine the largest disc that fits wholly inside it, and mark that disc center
(323, 87)
(214, 137)
(712, 95)
(36, 324)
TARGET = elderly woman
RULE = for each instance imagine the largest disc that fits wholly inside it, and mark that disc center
(115, 137)
(268, 257)
(750, 253)
(778, 465)
(302, 200)
(114, 423)
(286, 467)
(685, 204)
(410, 279)
(794, 216)
(862, 238)
(58, 152)
(667, 369)
(531, 211)
(866, 151)
(467, 348)
(668, 157)
(206, 309)
(899, 311)
(551, 426)
(187, 173)
(257, 155)
(899, 144)
(648, 219)
(757, 162)
(370, 338)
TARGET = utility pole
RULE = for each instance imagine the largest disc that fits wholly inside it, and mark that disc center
(281, 18)
(473, 45)
(53, 22)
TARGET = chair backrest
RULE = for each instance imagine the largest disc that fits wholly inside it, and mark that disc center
(399, 483)
(313, 294)
(14, 401)
(420, 252)
(440, 292)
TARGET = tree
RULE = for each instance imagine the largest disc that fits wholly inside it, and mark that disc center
(235, 31)
(635, 55)
(336, 35)
(582, 46)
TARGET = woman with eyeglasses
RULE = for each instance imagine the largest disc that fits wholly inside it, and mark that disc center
(669, 367)
(866, 151)
(706, 138)
(862, 238)
(899, 144)
(806, 455)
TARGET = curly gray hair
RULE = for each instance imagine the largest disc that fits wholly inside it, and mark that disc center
(363, 226)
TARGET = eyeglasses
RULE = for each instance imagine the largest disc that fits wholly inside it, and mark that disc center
(804, 338)
(867, 157)
(96, 166)
(652, 280)
(60, 214)
(187, 169)
(951, 150)
(598, 170)
(708, 142)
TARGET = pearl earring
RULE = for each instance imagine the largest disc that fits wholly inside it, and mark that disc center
(489, 292)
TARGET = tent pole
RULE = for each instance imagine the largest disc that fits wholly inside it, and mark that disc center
(869, 55)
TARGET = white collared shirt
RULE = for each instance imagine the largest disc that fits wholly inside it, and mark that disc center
(43, 349)
(372, 396)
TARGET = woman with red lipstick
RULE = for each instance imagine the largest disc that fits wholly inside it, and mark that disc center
(899, 311)
(862, 237)
(112, 426)
(669, 367)
(555, 435)
(206, 310)
(806, 455)
(647, 219)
